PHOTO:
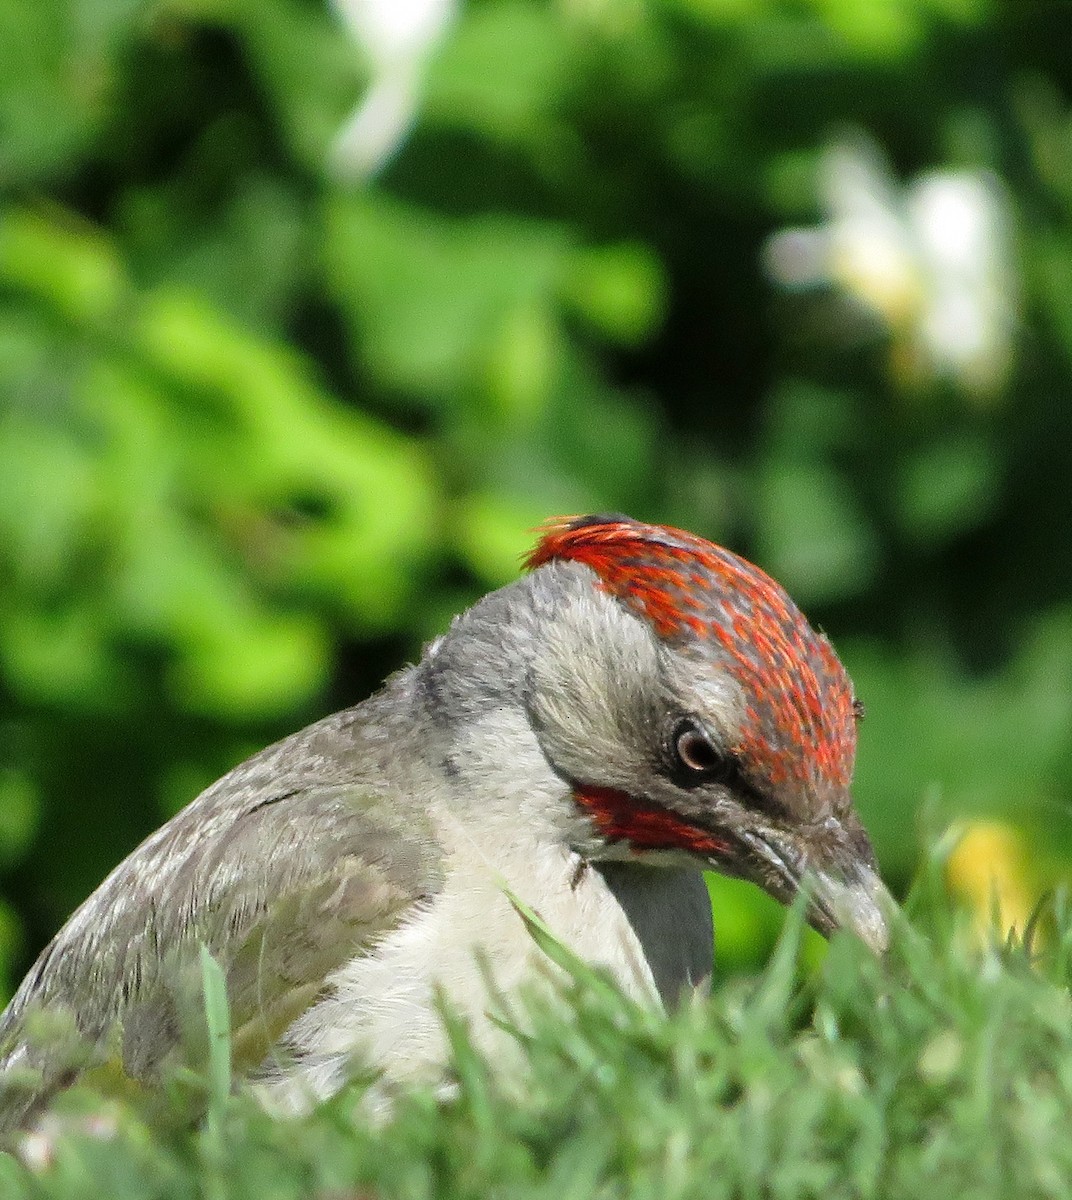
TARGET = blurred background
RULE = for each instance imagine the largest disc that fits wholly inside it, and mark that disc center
(308, 314)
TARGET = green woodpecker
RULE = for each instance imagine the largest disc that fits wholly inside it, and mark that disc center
(642, 706)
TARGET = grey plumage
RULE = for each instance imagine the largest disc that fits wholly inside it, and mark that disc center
(286, 867)
(343, 875)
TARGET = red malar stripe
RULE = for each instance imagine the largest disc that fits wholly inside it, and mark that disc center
(620, 818)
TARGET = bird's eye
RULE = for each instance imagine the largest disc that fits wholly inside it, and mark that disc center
(694, 751)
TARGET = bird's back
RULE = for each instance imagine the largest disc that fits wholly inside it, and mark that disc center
(293, 863)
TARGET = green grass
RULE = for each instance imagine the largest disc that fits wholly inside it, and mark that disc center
(945, 1071)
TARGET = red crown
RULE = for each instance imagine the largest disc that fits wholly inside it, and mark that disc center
(799, 720)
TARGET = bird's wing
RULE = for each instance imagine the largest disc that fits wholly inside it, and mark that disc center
(281, 888)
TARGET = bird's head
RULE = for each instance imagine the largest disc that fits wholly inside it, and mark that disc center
(693, 712)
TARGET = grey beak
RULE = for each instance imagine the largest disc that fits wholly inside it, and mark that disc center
(834, 868)
(861, 904)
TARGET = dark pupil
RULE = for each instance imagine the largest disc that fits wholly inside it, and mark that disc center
(695, 751)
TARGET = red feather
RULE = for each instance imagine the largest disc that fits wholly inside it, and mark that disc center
(799, 727)
(620, 818)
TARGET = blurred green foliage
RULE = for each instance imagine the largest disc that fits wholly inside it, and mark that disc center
(264, 428)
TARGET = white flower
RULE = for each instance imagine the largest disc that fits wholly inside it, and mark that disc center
(933, 262)
(398, 36)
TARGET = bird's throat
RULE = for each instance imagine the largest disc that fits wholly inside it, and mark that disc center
(620, 818)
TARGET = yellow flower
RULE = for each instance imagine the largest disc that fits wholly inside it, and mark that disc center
(989, 870)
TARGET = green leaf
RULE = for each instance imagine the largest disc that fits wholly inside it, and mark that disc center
(20, 808)
(811, 533)
(494, 533)
(309, 68)
(620, 289)
(218, 1022)
(264, 667)
(428, 298)
(948, 487)
(64, 261)
(479, 80)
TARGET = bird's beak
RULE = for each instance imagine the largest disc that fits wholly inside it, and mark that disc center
(861, 904)
(834, 866)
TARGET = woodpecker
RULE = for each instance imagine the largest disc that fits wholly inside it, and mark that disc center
(641, 706)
